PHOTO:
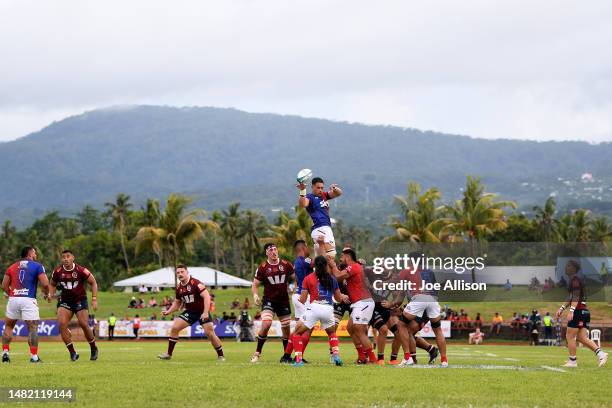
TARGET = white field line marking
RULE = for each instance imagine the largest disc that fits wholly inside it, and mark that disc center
(491, 355)
(559, 370)
(511, 359)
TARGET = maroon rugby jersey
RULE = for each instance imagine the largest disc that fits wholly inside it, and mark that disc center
(275, 279)
(72, 283)
(577, 293)
(190, 295)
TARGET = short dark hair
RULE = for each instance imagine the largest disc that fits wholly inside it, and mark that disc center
(298, 242)
(268, 245)
(351, 252)
(317, 180)
(575, 264)
(25, 251)
(67, 251)
(180, 266)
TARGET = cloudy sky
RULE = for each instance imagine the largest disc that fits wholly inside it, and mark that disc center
(522, 69)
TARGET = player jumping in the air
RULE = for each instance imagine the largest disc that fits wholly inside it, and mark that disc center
(362, 305)
(194, 297)
(20, 283)
(72, 280)
(322, 289)
(316, 203)
(579, 317)
(274, 275)
(302, 267)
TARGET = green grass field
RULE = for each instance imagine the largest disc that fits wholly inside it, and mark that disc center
(117, 303)
(129, 374)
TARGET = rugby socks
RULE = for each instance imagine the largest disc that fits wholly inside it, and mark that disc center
(334, 344)
(413, 356)
(393, 356)
(381, 356)
(285, 343)
(219, 351)
(260, 343)
(599, 353)
(371, 355)
(289, 347)
(70, 348)
(443, 359)
(407, 356)
(34, 352)
(298, 347)
(171, 344)
(5, 348)
(360, 353)
(92, 345)
(572, 358)
(305, 340)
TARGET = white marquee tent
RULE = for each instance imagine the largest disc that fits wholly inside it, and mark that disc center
(164, 278)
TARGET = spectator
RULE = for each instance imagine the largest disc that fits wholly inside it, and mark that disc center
(247, 304)
(93, 324)
(476, 337)
(235, 304)
(524, 325)
(143, 289)
(141, 304)
(257, 316)
(136, 326)
(155, 289)
(232, 317)
(515, 324)
(478, 321)
(153, 316)
(534, 324)
(496, 324)
(245, 327)
(224, 317)
(112, 320)
(507, 285)
(133, 303)
(152, 302)
(462, 323)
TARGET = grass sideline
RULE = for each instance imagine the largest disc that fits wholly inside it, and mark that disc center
(117, 303)
(129, 373)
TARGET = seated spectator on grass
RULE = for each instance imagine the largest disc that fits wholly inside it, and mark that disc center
(152, 302)
(515, 324)
(496, 324)
(257, 316)
(246, 304)
(524, 323)
(235, 304)
(153, 316)
(476, 337)
(141, 304)
(478, 321)
(133, 303)
(143, 289)
(232, 317)
(507, 285)
(224, 317)
(166, 302)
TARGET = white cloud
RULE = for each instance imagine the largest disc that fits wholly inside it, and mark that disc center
(487, 69)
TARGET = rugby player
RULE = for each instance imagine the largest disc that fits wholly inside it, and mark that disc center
(20, 283)
(362, 305)
(302, 267)
(322, 288)
(579, 317)
(316, 203)
(194, 297)
(381, 314)
(72, 280)
(275, 275)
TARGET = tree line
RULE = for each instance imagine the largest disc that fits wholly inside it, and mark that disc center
(121, 240)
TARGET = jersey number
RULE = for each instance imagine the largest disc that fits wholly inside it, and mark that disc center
(69, 285)
(188, 299)
(276, 279)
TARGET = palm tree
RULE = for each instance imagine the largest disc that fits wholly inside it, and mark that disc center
(118, 212)
(581, 225)
(230, 227)
(216, 218)
(177, 230)
(601, 230)
(252, 226)
(476, 215)
(546, 222)
(288, 229)
(420, 218)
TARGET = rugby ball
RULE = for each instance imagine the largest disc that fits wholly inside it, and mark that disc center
(304, 175)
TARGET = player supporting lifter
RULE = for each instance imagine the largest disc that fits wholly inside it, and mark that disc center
(322, 288)
(579, 317)
(302, 267)
(362, 305)
(316, 203)
(72, 280)
(274, 275)
(194, 297)
(20, 283)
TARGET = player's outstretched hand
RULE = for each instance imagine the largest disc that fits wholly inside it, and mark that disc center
(300, 186)
(165, 313)
(94, 304)
(558, 314)
(256, 299)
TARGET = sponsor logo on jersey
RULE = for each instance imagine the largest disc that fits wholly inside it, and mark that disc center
(21, 292)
